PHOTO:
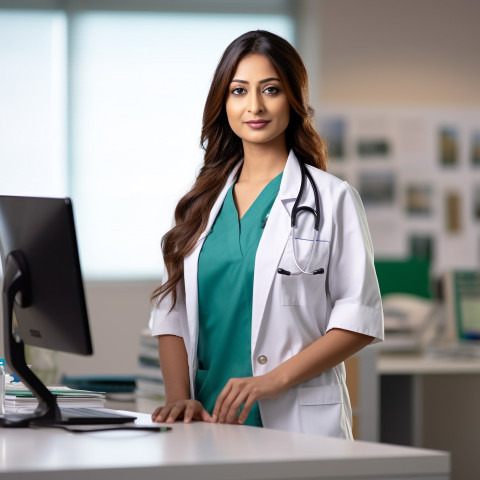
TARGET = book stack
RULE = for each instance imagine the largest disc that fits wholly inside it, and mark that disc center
(19, 399)
(149, 378)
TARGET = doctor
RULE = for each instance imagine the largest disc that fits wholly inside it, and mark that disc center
(255, 318)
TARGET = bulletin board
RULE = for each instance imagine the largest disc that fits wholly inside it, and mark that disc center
(418, 174)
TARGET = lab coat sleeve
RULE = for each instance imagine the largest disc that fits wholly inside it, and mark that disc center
(352, 281)
(166, 322)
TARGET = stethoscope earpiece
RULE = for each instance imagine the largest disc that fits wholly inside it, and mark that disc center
(282, 271)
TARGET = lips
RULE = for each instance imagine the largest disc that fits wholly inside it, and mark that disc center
(257, 123)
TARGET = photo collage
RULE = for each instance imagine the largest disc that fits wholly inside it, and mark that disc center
(418, 174)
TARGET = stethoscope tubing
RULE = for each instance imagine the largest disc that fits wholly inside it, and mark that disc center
(296, 210)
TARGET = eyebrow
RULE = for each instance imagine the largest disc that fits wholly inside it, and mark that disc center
(265, 80)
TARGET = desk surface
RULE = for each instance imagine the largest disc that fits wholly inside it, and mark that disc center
(206, 451)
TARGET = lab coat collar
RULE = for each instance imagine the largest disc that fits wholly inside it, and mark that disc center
(292, 178)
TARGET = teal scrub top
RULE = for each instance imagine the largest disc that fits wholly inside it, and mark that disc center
(225, 292)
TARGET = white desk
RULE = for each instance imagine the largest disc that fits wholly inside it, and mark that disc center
(204, 451)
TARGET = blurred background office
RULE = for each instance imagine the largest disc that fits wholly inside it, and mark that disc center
(102, 101)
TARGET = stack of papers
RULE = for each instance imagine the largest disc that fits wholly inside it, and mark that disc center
(19, 399)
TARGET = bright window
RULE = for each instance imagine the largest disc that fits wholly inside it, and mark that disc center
(140, 84)
(116, 124)
(32, 103)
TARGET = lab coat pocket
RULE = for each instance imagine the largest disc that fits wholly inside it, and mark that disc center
(303, 289)
(321, 410)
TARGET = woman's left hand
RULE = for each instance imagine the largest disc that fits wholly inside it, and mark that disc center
(244, 391)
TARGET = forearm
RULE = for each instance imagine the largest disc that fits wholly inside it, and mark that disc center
(174, 364)
(322, 355)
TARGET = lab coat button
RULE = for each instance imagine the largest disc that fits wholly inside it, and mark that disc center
(262, 359)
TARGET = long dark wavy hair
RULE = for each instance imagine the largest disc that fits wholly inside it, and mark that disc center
(223, 149)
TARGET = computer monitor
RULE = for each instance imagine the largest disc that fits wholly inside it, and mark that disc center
(43, 297)
(462, 296)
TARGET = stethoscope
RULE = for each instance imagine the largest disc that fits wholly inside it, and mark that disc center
(316, 214)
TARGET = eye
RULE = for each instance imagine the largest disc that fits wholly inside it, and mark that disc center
(238, 91)
(271, 90)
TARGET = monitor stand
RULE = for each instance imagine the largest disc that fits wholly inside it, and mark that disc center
(16, 288)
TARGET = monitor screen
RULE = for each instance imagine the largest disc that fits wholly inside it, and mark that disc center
(462, 302)
(466, 292)
(42, 231)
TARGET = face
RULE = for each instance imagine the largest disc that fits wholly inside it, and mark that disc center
(257, 107)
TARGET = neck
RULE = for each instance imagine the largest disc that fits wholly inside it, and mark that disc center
(262, 162)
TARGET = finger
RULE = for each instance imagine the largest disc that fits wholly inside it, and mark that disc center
(247, 407)
(162, 413)
(229, 410)
(156, 412)
(235, 407)
(206, 417)
(175, 412)
(189, 413)
(203, 415)
(225, 407)
(220, 399)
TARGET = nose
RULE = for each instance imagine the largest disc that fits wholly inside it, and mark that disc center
(256, 105)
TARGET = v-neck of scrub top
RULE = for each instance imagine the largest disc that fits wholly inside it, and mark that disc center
(242, 234)
(226, 268)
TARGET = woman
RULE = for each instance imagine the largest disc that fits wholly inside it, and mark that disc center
(244, 336)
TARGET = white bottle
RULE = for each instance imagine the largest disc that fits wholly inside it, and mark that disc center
(2, 389)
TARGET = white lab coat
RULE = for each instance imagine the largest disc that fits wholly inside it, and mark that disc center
(291, 312)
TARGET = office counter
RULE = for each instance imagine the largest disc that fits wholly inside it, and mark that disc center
(205, 451)
(433, 403)
(418, 364)
(403, 379)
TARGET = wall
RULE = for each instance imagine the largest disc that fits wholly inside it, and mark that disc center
(422, 52)
(118, 311)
